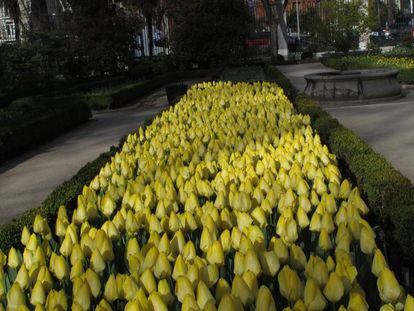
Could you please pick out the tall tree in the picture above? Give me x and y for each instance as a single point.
(13, 8)
(39, 16)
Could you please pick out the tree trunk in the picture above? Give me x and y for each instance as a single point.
(272, 20)
(390, 11)
(39, 16)
(150, 36)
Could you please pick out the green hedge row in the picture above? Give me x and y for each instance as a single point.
(123, 94)
(389, 194)
(31, 120)
(405, 76)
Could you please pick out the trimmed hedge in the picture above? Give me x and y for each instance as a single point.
(121, 95)
(31, 120)
(389, 194)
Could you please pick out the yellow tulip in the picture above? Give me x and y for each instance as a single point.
(334, 288)
(222, 289)
(108, 205)
(162, 267)
(183, 288)
(409, 303)
(324, 241)
(251, 262)
(165, 292)
(156, 302)
(93, 281)
(189, 252)
(15, 298)
(264, 300)
(280, 249)
(38, 295)
(378, 263)
(241, 290)
(13, 259)
(367, 241)
(82, 296)
(22, 277)
(317, 269)
(103, 306)
(130, 287)
(290, 285)
(313, 298)
(203, 295)
(227, 303)
(148, 281)
(180, 268)
(388, 287)
(209, 274)
(25, 236)
(270, 263)
(297, 257)
(357, 302)
(97, 262)
(111, 290)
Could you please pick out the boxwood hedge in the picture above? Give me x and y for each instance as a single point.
(31, 120)
(389, 194)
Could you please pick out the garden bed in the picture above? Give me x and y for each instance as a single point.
(235, 203)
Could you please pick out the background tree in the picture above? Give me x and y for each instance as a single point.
(205, 31)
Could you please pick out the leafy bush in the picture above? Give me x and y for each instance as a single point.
(389, 193)
(31, 120)
(208, 31)
(121, 95)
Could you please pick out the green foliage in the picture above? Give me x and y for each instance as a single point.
(245, 74)
(335, 25)
(31, 120)
(102, 38)
(405, 64)
(208, 31)
(389, 194)
(121, 95)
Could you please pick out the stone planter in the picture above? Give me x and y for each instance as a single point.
(175, 92)
(354, 85)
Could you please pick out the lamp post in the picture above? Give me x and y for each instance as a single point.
(297, 18)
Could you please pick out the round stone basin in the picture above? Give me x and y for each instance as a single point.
(368, 85)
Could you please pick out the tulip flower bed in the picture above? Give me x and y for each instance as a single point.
(227, 201)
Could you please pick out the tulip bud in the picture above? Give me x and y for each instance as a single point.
(324, 241)
(108, 205)
(25, 236)
(38, 295)
(111, 290)
(180, 268)
(367, 241)
(165, 292)
(409, 303)
(148, 281)
(103, 306)
(241, 290)
(388, 287)
(203, 295)
(280, 249)
(297, 257)
(156, 302)
(183, 288)
(251, 262)
(15, 298)
(94, 282)
(162, 267)
(130, 287)
(334, 288)
(357, 302)
(313, 298)
(209, 274)
(264, 300)
(97, 262)
(270, 263)
(290, 285)
(222, 289)
(82, 296)
(215, 254)
(13, 259)
(227, 303)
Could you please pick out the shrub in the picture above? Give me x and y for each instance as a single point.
(389, 193)
(31, 120)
